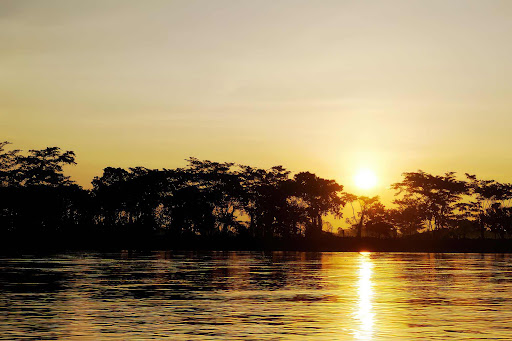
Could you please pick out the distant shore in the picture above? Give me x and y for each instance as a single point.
(211, 205)
(321, 244)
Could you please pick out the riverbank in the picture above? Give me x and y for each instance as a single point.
(47, 243)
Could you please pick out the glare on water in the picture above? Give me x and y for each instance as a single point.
(365, 313)
(256, 295)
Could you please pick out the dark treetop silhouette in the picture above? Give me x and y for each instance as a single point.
(224, 205)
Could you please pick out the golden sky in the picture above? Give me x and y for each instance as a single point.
(324, 86)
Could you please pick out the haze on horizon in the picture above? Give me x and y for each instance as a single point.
(325, 86)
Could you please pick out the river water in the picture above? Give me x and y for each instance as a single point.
(256, 296)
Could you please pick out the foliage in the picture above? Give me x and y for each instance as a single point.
(369, 209)
(435, 195)
(35, 195)
(490, 200)
(221, 200)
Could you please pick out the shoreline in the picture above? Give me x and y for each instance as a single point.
(47, 244)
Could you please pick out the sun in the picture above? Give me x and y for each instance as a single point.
(365, 179)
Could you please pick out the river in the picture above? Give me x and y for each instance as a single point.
(256, 296)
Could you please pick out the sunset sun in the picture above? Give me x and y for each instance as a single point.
(365, 179)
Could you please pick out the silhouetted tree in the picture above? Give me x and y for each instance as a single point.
(321, 197)
(499, 219)
(489, 198)
(36, 197)
(8, 165)
(221, 188)
(219, 201)
(379, 221)
(131, 198)
(408, 215)
(44, 167)
(367, 207)
(265, 200)
(437, 195)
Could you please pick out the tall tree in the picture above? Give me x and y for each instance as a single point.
(36, 195)
(408, 216)
(265, 199)
(368, 206)
(438, 195)
(321, 197)
(44, 167)
(8, 165)
(379, 221)
(220, 185)
(130, 197)
(489, 198)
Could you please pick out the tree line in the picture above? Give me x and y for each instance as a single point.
(224, 200)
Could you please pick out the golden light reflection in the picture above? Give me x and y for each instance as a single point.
(365, 313)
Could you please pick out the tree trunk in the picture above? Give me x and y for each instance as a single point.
(360, 226)
(318, 224)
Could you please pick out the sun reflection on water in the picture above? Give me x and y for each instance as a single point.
(365, 313)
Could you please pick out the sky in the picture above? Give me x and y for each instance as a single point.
(324, 86)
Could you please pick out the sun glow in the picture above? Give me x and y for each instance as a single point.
(365, 179)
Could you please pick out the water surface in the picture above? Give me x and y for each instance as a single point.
(257, 296)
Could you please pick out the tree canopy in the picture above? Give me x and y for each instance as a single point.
(210, 199)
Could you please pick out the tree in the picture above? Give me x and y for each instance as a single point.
(221, 186)
(381, 229)
(321, 197)
(266, 200)
(489, 198)
(368, 207)
(436, 194)
(8, 165)
(130, 197)
(408, 216)
(36, 196)
(379, 221)
(499, 219)
(44, 167)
